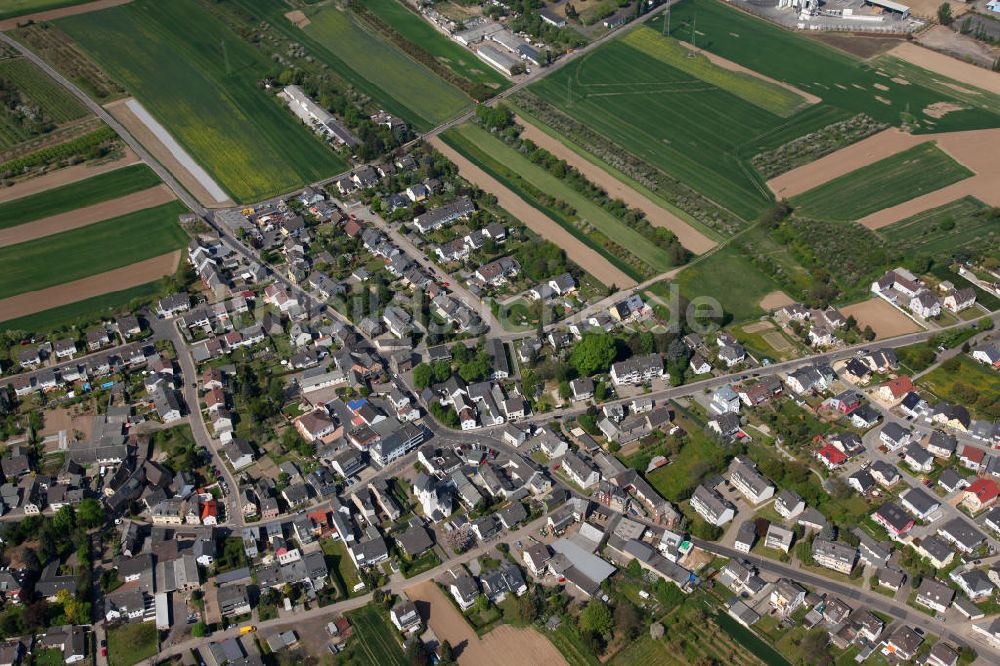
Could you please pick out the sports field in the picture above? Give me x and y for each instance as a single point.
(358, 53)
(687, 125)
(887, 182)
(498, 158)
(103, 187)
(99, 247)
(963, 223)
(199, 79)
(459, 59)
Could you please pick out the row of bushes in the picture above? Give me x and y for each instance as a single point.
(672, 190)
(88, 146)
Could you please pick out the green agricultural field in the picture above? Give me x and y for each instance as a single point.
(686, 127)
(55, 101)
(87, 310)
(727, 276)
(890, 181)
(12, 8)
(763, 94)
(103, 187)
(962, 224)
(486, 150)
(459, 59)
(428, 99)
(375, 640)
(199, 79)
(99, 247)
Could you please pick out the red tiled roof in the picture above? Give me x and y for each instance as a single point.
(984, 490)
(899, 386)
(833, 454)
(973, 454)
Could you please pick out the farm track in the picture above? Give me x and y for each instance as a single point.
(81, 217)
(53, 14)
(948, 66)
(148, 138)
(64, 176)
(118, 279)
(978, 150)
(576, 250)
(690, 238)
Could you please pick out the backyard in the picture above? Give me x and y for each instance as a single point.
(129, 644)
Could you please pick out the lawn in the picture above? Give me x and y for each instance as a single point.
(887, 182)
(428, 560)
(374, 642)
(244, 137)
(87, 310)
(11, 8)
(339, 562)
(99, 247)
(498, 158)
(458, 59)
(131, 643)
(978, 387)
(686, 126)
(699, 456)
(347, 45)
(961, 224)
(731, 279)
(105, 186)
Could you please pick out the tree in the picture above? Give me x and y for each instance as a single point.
(944, 14)
(65, 519)
(422, 376)
(476, 368)
(594, 353)
(447, 655)
(627, 619)
(597, 618)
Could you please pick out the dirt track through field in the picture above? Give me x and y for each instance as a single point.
(65, 176)
(689, 237)
(53, 14)
(151, 142)
(948, 66)
(500, 647)
(81, 217)
(118, 279)
(885, 320)
(876, 147)
(979, 150)
(719, 61)
(588, 259)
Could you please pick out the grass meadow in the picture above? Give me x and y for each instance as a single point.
(943, 230)
(690, 123)
(887, 182)
(103, 187)
(979, 386)
(727, 276)
(486, 150)
(199, 79)
(428, 99)
(374, 642)
(102, 246)
(458, 59)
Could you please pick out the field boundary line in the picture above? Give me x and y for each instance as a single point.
(118, 279)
